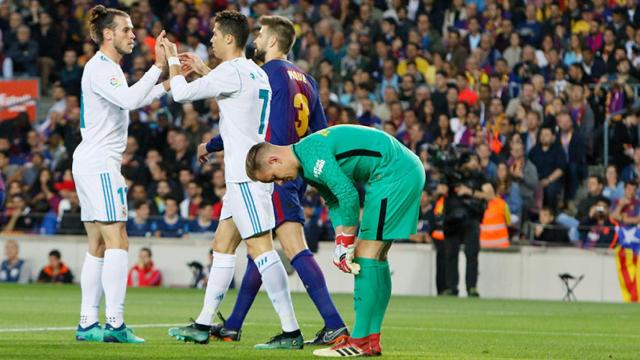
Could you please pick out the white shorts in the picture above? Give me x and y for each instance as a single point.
(249, 205)
(103, 196)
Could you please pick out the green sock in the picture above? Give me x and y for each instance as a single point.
(365, 296)
(384, 294)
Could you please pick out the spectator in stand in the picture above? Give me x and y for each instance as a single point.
(597, 230)
(71, 73)
(143, 273)
(631, 171)
(204, 223)
(47, 35)
(528, 100)
(530, 137)
(550, 161)
(139, 224)
(42, 193)
(626, 210)
(595, 185)
(573, 145)
(13, 269)
(171, 224)
(191, 203)
(548, 230)
(488, 167)
(70, 222)
(509, 191)
(20, 218)
(613, 189)
(55, 271)
(626, 135)
(426, 221)
(22, 55)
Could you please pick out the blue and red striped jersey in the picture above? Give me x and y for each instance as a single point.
(295, 104)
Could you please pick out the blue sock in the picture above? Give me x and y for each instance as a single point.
(251, 283)
(314, 282)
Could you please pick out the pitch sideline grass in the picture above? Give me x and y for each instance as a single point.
(415, 327)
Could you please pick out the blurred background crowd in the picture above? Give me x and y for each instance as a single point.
(527, 86)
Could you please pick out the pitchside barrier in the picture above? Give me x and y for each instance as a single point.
(520, 272)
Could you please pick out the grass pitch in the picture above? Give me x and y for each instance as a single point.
(36, 322)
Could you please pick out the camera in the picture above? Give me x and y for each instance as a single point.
(449, 162)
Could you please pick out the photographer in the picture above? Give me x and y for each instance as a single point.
(598, 230)
(469, 191)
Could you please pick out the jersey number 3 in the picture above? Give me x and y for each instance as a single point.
(301, 104)
(263, 94)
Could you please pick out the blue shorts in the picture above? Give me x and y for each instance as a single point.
(286, 201)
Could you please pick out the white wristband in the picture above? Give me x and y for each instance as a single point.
(174, 61)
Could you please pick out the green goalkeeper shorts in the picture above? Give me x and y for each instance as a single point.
(392, 204)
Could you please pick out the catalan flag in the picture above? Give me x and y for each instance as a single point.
(627, 248)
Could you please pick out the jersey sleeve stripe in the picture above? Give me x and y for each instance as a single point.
(246, 204)
(253, 206)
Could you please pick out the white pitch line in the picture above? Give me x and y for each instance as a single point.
(432, 329)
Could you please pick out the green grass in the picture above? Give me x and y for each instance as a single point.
(414, 328)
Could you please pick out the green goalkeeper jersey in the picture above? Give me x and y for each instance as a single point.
(333, 160)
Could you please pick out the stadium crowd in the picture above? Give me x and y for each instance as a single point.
(526, 86)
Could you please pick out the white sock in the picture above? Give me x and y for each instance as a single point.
(91, 286)
(114, 282)
(276, 282)
(220, 278)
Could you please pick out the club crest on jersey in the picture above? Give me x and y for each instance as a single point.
(317, 169)
(115, 82)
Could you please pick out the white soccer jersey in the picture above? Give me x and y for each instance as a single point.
(242, 91)
(104, 113)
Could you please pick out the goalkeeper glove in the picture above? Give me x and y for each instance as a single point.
(343, 257)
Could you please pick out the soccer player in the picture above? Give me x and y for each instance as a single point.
(295, 111)
(105, 104)
(333, 160)
(242, 91)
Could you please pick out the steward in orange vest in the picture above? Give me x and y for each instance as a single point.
(493, 229)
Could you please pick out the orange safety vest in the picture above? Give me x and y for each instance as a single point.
(438, 211)
(493, 230)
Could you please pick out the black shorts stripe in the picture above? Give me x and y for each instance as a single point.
(381, 218)
(358, 152)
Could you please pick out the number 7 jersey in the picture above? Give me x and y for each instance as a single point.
(295, 106)
(242, 91)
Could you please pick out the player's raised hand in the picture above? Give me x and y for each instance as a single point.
(161, 58)
(170, 48)
(194, 62)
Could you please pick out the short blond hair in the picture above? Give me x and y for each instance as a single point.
(254, 162)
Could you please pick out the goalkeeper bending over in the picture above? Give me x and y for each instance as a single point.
(333, 160)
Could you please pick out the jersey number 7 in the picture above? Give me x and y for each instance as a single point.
(263, 95)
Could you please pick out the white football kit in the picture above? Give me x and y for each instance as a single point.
(242, 91)
(105, 103)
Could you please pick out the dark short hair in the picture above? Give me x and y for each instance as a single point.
(235, 24)
(55, 253)
(283, 29)
(147, 250)
(140, 203)
(598, 178)
(204, 203)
